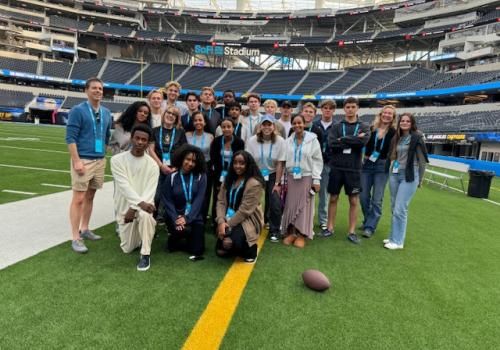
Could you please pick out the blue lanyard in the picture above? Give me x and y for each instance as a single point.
(223, 112)
(355, 130)
(92, 116)
(171, 140)
(209, 112)
(236, 129)
(232, 199)
(295, 150)
(251, 126)
(202, 143)
(222, 151)
(376, 139)
(262, 159)
(188, 192)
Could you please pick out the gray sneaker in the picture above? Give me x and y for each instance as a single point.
(91, 236)
(78, 246)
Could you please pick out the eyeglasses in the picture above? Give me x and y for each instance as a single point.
(172, 113)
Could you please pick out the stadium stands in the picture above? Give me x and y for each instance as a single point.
(14, 98)
(418, 74)
(343, 84)
(468, 78)
(316, 80)
(33, 18)
(157, 74)
(120, 72)
(239, 80)
(85, 69)
(197, 77)
(279, 82)
(56, 69)
(114, 30)
(376, 79)
(193, 37)
(69, 23)
(152, 35)
(26, 66)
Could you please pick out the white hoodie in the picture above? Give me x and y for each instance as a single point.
(311, 163)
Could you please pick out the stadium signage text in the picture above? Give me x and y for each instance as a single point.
(225, 51)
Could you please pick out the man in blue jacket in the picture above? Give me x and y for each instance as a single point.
(87, 135)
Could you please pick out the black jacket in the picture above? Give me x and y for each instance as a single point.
(215, 153)
(337, 142)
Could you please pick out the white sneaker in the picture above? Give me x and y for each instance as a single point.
(387, 240)
(393, 246)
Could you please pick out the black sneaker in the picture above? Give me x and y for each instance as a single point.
(274, 238)
(144, 263)
(353, 238)
(196, 257)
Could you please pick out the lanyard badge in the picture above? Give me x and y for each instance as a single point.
(98, 144)
(349, 150)
(166, 155)
(296, 170)
(188, 192)
(232, 200)
(265, 163)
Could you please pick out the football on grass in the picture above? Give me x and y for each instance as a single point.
(316, 280)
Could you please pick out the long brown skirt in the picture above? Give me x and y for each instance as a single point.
(299, 206)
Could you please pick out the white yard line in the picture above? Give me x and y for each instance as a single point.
(10, 134)
(41, 169)
(490, 201)
(20, 192)
(56, 185)
(34, 149)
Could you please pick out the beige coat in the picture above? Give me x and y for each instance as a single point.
(249, 213)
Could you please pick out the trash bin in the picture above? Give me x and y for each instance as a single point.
(479, 183)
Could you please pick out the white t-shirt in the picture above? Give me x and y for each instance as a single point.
(287, 125)
(326, 124)
(257, 149)
(155, 120)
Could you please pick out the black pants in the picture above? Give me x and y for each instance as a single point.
(191, 241)
(240, 245)
(273, 210)
(208, 192)
(157, 199)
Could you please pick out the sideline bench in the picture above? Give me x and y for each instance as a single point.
(446, 164)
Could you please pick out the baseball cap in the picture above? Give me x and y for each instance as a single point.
(267, 118)
(286, 103)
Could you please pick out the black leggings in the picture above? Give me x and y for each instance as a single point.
(240, 245)
(192, 241)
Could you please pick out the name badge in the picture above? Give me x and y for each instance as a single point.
(347, 150)
(297, 172)
(223, 175)
(265, 174)
(166, 159)
(230, 213)
(98, 146)
(395, 167)
(374, 156)
(188, 209)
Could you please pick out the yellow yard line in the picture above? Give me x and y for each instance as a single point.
(212, 325)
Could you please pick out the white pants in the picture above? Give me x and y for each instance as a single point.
(141, 230)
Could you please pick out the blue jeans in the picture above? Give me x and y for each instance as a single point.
(324, 197)
(373, 181)
(401, 195)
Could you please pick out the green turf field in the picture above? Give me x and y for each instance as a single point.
(440, 292)
(35, 147)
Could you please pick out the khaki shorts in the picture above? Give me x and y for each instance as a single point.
(93, 177)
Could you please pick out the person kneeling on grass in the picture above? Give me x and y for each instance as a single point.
(136, 177)
(239, 215)
(182, 195)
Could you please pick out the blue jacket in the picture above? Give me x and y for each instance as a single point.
(174, 200)
(80, 130)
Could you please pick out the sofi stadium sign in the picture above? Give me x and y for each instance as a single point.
(225, 51)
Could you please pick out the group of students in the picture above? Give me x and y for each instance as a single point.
(184, 158)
